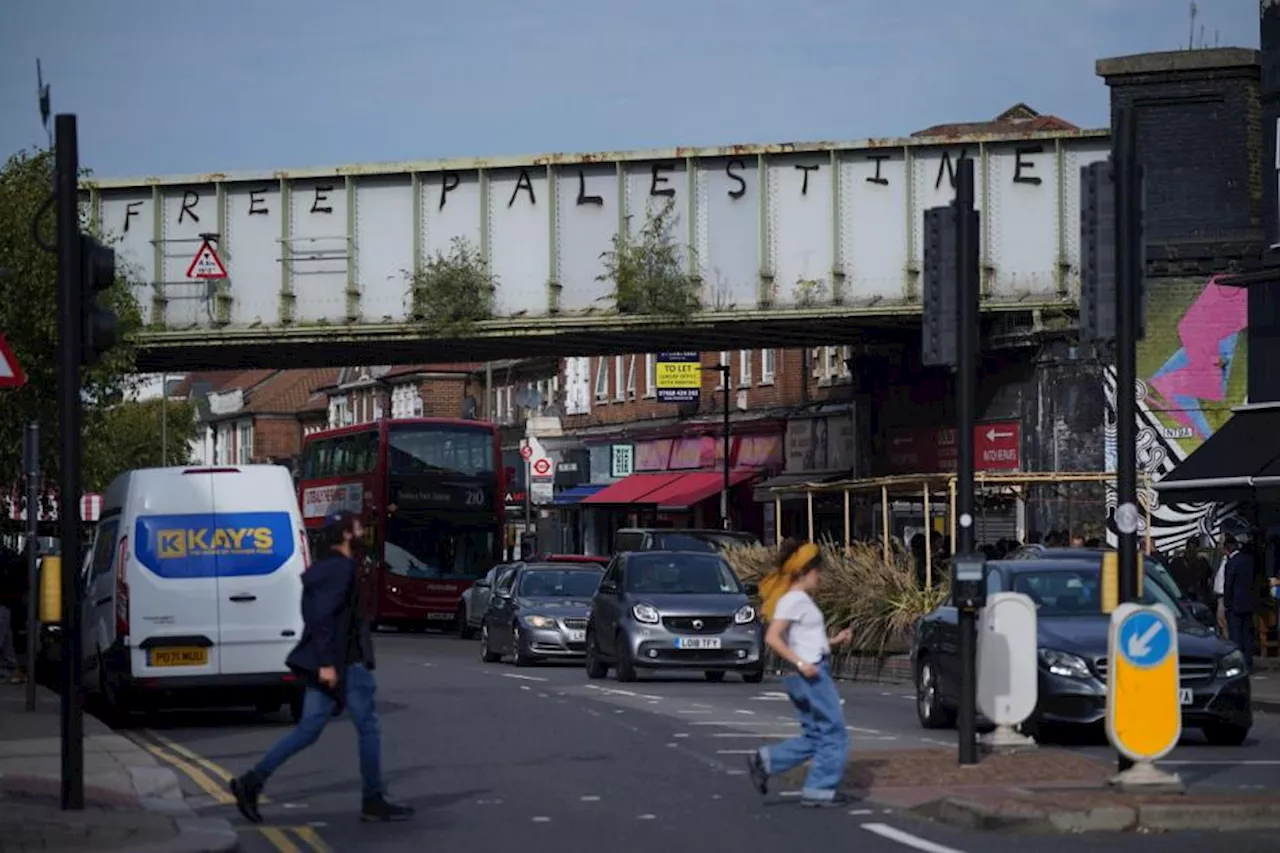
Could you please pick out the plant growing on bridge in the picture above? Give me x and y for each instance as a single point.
(649, 274)
(452, 291)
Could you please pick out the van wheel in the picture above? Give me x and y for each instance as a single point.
(114, 713)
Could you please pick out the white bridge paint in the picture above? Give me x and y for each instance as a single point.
(332, 246)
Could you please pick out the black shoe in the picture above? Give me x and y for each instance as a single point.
(838, 801)
(759, 776)
(382, 810)
(246, 790)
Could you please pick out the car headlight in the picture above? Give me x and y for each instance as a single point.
(1064, 664)
(646, 613)
(540, 621)
(1232, 664)
(745, 614)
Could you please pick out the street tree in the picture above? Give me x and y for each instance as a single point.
(29, 322)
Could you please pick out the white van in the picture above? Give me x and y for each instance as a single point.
(192, 589)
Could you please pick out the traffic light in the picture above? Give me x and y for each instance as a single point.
(941, 320)
(1098, 238)
(99, 328)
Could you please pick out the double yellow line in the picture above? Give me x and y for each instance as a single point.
(213, 779)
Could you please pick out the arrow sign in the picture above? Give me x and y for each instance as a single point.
(1144, 703)
(1145, 639)
(206, 263)
(993, 434)
(11, 375)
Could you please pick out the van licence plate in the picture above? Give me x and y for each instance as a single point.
(1185, 696)
(697, 642)
(177, 657)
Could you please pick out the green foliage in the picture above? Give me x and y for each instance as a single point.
(810, 292)
(133, 435)
(29, 320)
(453, 290)
(649, 276)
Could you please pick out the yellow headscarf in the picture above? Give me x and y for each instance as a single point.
(775, 584)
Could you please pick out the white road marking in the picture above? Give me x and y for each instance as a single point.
(590, 798)
(592, 711)
(542, 820)
(523, 677)
(428, 664)
(741, 723)
(673, 744)
(1243, 763)
(295, 805)
(647, 817)
(525, 687)
(885, 831)
(736, 772)
(686, 711)
(736, 752)
(862, 731)
(935, 741)
(700, 705)
(743, 711)
(861, 811)
(756, 735)
(681, 734)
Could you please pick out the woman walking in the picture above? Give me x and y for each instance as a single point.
(797, 633)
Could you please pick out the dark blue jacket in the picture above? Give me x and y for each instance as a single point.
(333, 632)
(1239, 586)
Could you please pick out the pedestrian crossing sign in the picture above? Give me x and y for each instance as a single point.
(206, 263)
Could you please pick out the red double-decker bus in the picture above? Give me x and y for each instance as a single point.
(430, 494)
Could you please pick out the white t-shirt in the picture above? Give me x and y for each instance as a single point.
(1220, 578)
(807, 630)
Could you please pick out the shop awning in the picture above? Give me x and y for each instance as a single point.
(1235, 462)
(763, 493)
(695, 487)
(576, 494)
(632, 489)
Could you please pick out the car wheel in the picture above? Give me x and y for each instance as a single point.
(1223, 734)
(487, 654)
(929, 706)
(521, 656)
(464, 630)
(626, 668)
(753, 676)
(714, 675)
(596, 668)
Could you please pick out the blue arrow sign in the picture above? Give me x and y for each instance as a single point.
(1144, 639)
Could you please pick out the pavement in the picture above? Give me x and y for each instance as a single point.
(492, 755)
(133, 802)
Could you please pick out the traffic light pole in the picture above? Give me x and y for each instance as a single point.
(31, 472)
(967, 286)
(1130, 260)
(67, 171)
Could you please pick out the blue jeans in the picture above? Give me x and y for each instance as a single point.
(317, 710)
(823, 739)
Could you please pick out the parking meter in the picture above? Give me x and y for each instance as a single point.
(969, 586)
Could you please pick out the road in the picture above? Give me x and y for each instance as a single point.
(543, 758)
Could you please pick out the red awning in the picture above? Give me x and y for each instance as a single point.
(632, 489)
(695, 487)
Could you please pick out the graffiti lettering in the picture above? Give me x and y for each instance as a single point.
(190, 198)
(448, 183)
(658, 180)
(736, 178)
(804, 186)
(1020, 164)
(322, 195)
(130, 211)
(257, 204)
(947, 168)
(524, 182)
(583, 198)
(877, 178)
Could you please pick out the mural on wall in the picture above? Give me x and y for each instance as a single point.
(1188, 383)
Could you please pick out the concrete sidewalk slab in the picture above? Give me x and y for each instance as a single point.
(132, 803)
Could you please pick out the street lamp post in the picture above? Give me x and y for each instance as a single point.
(724, 494)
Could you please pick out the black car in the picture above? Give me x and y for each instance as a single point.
(1072, 645)
(538, 611)
(677, 539)
(674, 610)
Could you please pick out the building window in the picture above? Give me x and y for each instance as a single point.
(222, 439)
(339, 411)
(650, 376)
(577, 380)
(744, 368)
(831, 364)
(631, 377)
(768, 366)
(725, 355)
(619, 379)
(602, 379)
(244, 442)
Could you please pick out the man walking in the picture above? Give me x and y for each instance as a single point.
(1239, 597)
(335, 656)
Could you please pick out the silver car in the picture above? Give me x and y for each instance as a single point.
(673, 610)
(539, 612)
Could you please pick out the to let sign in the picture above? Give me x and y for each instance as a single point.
(930, 450)
(678, 377)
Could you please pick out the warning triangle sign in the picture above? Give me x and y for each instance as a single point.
(11, 375)
(206, 263)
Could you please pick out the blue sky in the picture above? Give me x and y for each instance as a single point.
(164, 86)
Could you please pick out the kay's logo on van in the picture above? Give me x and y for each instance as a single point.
(224, 544)
(174, 544)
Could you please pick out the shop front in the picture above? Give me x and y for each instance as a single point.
(819, 448)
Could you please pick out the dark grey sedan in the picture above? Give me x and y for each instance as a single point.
(539, 612)
(672, 610)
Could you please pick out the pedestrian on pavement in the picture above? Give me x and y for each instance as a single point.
(335, 658)
(1219, 584)
(1191, 571)
(1239, 596)
(797, 634)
